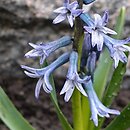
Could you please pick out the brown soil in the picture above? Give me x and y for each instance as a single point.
(41, 113)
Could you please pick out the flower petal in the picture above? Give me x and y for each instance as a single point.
(35, 46)
(80, 88)
(35, 71)
(47, 80)
(42, 59)
(66, 3)
(68, 94)
(76, 12)
(115, 41)
(68, 85)
(109, 31)
(28, 68)
(33, 53)
(94, 112)
(61, 10)
(105, 18)
(45, 88)
(94, 37)
(116, 60)
(38, 87)
(59, 18)
(73, 5)
(100, 42)
(88, 29)
(123, 57)
(101, 108)
(98, 20)
(31, 74)
(70, 19)
(122, 47)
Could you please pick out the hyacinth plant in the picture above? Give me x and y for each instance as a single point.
(97, 63)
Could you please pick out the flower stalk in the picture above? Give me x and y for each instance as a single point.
(76, 98)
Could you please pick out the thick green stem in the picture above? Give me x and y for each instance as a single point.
(76, 98)
(78, 36)
(85, 113)
(77, 113)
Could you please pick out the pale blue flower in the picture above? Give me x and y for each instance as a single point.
(43, 50)
(117, 49)
(99, 36)
(97, 108)
(68, 11)
(97, 29)
(44, 73)
(73, 79)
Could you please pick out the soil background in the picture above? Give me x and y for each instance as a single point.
(23, 21)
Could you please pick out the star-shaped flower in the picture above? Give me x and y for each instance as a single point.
(44, 73)
(43, 50)
(117, 49)
(97, 29)
(97, 108)
(73, 79)
(68, 11)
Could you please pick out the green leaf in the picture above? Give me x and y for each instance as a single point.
(120, 22)
(121, 122)
(10, 116)
(102, 73)
(65, 124)
(114, 85)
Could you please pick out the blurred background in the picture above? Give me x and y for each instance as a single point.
(24, 21)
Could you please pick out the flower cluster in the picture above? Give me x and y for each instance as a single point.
(95, 38)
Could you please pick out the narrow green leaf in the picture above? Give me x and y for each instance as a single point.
(114, 85)
(53, 93)
(65, 124)
(102, 73)
(120, 22)
(121, 122)
(10, 116)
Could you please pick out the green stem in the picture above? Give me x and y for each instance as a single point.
(77, 113)
(85, 112)
(76, 98)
